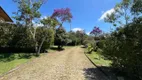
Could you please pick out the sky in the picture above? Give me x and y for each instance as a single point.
(86, 13)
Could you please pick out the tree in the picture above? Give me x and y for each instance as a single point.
(124, 12)
(28, 12)
(6, 33)
(123, 46)
(80, 37)
(15, 39)
(60, 37)
(73, 38)
(77, 38)
(46, 33)
(50, 22)
(45, 38)
(136, 8)
(96, 32)
(21, 39)
(62, 15)
(121, 15)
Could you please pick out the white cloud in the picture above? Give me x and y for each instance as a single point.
(43, 17)
(108, 12)
(88, 33)
(37, 24)
(77, 29)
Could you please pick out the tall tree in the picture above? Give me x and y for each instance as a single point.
(80, 36)
(96, 32)
(136, 8)
(121, 15)
(62, 15)
(27, 13)
(123, 46)
(60, 37)
(47, 31)
(50, 22)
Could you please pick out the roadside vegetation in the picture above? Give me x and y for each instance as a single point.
(119, 51)
(31, 35)
(9, 61)
(122, 46)
(99, 60)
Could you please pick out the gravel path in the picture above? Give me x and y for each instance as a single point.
(70, 64)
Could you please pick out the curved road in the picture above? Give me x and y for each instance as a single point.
(70, 64)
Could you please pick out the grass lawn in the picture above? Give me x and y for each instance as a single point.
(10, 61)
(6, 66)
(98, 60)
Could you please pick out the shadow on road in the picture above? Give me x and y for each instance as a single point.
(94, 74)
(6, 57)
(108, 72)
(57, 49)
(97, 74)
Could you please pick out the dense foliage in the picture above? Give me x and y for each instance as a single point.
(96, 31)
(31, 33)
(123, 46)
(77, 38)
(16, 38)
(27, 14)
(60, 37)
(62, 15)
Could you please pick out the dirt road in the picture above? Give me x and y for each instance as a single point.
(70, 64)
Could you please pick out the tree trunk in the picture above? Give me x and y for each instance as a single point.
(59, 47)
(39, 49)
(34, 39)
(36, 48)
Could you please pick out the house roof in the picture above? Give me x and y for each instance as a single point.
(4, 15)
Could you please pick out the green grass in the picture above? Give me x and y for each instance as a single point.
(10, 61)
(6, 66)
(98, 60)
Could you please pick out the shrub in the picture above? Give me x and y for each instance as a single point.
(123, 47)
(60, 37)
(17, 38)
(100, 44)
(89, 48)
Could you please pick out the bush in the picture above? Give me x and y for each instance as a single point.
(49, 40)
(60, 37)
(100, 44)
(17, 38)
(123, 47)
(6, 33)
(89, 48)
